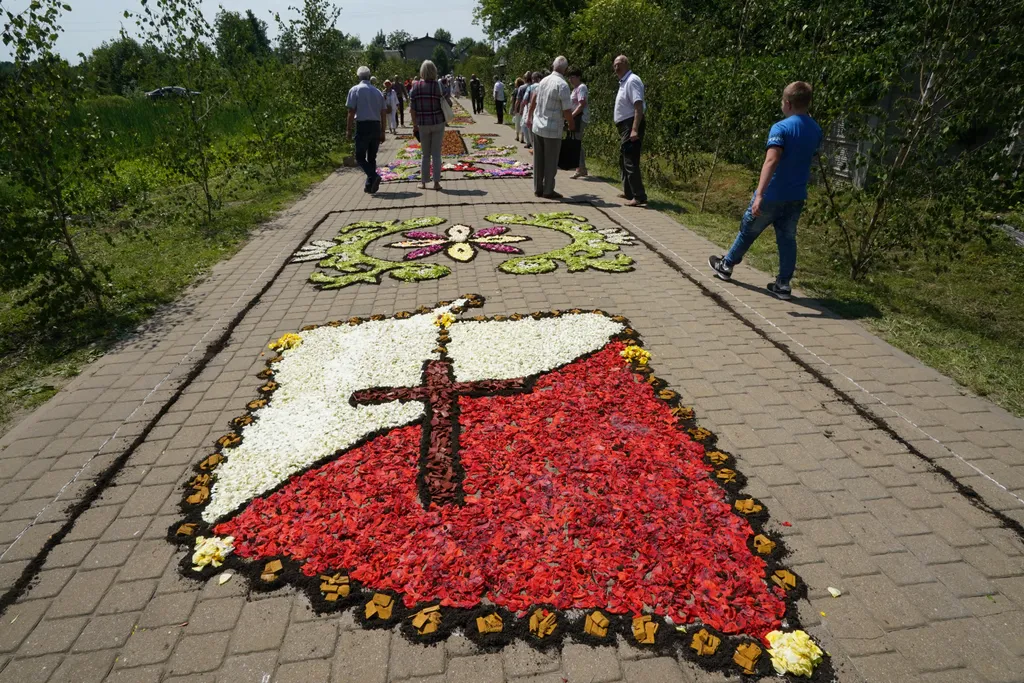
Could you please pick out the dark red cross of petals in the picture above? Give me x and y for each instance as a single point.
(440, 392)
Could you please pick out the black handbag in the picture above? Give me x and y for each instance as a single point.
(569, 154)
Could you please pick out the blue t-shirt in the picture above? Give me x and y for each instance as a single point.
(799, 137)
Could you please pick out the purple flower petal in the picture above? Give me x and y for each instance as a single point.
(425, 251)
(424, 235)
(491, 232)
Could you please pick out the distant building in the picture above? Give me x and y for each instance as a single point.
(423, 48)
(392, 54)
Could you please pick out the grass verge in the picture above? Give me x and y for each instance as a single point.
(965, 318)
(149, 264)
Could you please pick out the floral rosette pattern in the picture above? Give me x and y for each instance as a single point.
(513, 476)
(344, 260)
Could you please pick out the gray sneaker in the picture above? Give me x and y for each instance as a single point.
(723, 270)
(784, 292)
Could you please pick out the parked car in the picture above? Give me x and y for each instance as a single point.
(171, 91)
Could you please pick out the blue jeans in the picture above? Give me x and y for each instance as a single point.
(367, 144)
(784, 216)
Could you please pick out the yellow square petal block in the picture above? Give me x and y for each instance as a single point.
(644, 629)
(699, 433)
(725, 475)
(273, 567)
(705, 643)
(199, 497)
(596, 624)
(334, 587)
(747, 506)
(543, 623)
(187, 529)
(380, 606)
(427, 620)
(718, 458)
(492, 623)
(785, 579)
(763, 545)
(667, 395)
(683, 412)
(746, 657)
(211, 462)
(200, 480)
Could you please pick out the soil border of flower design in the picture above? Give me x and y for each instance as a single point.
(491, 628)
(348, 253)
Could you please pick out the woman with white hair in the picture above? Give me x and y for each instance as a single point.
(391, 102)
(428, 121)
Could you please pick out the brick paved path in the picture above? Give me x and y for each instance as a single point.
(900, 488)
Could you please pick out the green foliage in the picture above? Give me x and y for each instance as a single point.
(397, 38)
(240, 37)
(374, 57)
(380, 40)
(928, 95)
(440, 59)
(121, 66)
(442, 34)
(47, 161)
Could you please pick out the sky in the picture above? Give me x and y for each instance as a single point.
(91, 22)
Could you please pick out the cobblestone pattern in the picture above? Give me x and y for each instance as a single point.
(933, 587)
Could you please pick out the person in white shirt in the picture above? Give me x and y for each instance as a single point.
(499, 100)
(630, 119)
(580, 113)
(551, 105)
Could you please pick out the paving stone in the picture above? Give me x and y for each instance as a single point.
(52, 635)
(196, 654)
(82, 593)
(519, 659)
(18, 622)
(32, 670)
(311, 671)
(261, 625)
(148, 646)
(141, 674)
(250, 668)
(91, 667)
(105, 632)
(584, 664)
(663, 669)
(215, 615)
(887, 668)
(963, 579)
(412, 659)
(313, 640)
(127, 597)
(475, 669)
(361, 657)
(172, 608)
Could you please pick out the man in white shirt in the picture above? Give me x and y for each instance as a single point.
(551, 105)
(630, 119)
(499, 100)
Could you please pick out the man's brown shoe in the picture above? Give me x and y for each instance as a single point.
(553, 195)
(634, 202)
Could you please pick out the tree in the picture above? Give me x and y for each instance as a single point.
(397, 38)
(502, 19)
(380, 40)
(238, 36)
(118, 66)
(463, 46)
(179, 29)
(49, 155)
(440, 59)
(441, 34)
(374, 56)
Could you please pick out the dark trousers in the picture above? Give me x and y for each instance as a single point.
(367, 144)
(401, 111)
(478, 103)
(545, 164)
(629, 160)
(499, 108)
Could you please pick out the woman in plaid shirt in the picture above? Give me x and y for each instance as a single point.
(428, 121)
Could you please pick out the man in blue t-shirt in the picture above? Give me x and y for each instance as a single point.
(781, 190)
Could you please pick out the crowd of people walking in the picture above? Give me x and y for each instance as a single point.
(550, 107)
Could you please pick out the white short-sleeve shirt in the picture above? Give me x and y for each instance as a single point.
(631, 91)
(553, 98)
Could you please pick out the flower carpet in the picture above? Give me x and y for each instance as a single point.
(485, 160)
(344, 261)
(514, 476)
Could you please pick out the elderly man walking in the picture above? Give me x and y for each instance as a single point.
(366, 108)
(551, 105)
(630, 119)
